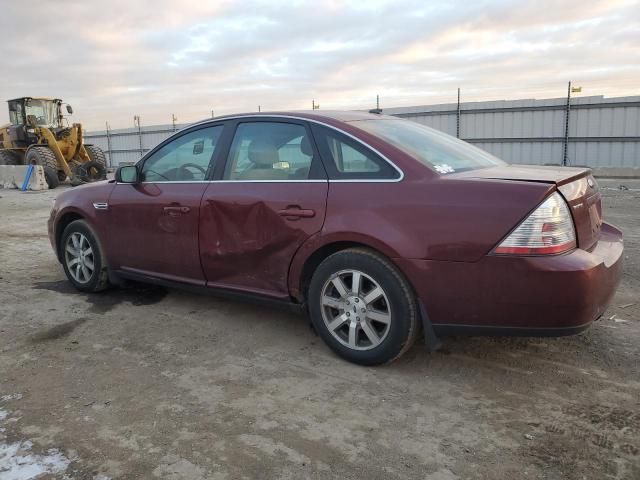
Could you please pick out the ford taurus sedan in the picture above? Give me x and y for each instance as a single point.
(378, 227)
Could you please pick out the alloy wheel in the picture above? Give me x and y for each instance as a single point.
(355, 309)
(79, 257)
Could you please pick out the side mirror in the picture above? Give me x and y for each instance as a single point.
(69, 109)
(128, 174)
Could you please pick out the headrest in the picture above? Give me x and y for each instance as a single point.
(263, 154)
(305, 146)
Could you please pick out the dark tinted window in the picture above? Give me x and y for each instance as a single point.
(187, 158)
(346, 158)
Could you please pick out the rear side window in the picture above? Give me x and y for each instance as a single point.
(348, 159)
(439, 151)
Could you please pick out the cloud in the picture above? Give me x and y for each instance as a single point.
(114, 59)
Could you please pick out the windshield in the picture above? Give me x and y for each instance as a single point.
(45, 113)
(439, 151)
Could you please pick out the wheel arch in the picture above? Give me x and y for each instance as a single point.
(61, 223)
(315, 250)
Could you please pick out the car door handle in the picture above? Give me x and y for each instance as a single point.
(176, 210)
(297, 212)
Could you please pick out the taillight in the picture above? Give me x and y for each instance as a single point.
(549, 229)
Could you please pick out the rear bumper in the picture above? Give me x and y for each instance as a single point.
(545, 295)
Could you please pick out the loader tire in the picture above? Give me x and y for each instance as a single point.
(44, 156)
(88, 172)
(97, 155)
(7, 157)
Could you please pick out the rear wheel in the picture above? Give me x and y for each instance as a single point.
(82, 258)
(7, 157)
(44, 156)
(363, 307)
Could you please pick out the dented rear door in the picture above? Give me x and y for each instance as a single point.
(250, 228)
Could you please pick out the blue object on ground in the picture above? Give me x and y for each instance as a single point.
(27, 178)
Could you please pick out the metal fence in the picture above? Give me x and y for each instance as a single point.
(598, 132)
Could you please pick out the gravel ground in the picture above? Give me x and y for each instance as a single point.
(151, 383)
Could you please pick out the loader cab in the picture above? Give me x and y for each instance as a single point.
(35, 112)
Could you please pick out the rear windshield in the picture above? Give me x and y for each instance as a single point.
(439, 151)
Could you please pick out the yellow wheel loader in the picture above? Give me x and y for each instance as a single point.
(37, 135)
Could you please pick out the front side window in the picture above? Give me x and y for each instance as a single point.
(187, 158)
(269, 151)
(347, 159)
(439, 151)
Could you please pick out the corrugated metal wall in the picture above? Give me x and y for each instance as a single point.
(604, 133)
(127, 145)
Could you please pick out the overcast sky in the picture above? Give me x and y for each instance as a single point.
(112, 59)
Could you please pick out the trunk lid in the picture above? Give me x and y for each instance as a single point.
(577, 186)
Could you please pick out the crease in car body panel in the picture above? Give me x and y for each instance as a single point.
(258, 244)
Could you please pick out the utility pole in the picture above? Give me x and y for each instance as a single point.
(567, 115)
(458, 116)
(258, 108)
(211, 113)
(173, 121)
(377, 109)
(314, 105)
(109, 143)
(136, 123)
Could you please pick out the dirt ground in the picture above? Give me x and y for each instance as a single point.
(149, 383)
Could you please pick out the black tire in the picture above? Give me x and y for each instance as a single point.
(97, 156)
(99, 278)
(62, 176)
(88, 172)
(404, 324)
(44, 156)
(7, 157)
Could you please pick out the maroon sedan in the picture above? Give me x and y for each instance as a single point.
(378, 227)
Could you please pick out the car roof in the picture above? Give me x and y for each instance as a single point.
(339, 115)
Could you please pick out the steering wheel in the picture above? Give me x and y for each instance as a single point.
(186, 167)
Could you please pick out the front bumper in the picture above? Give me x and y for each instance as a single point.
(51, 230)
(550, 295)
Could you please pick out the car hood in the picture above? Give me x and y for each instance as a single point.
(527, 173)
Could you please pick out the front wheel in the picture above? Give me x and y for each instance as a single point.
(363, 307)
(82, 258)
(41, 155)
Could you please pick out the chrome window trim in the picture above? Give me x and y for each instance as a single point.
(333, 127)
(229, 181)
(355, 180)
